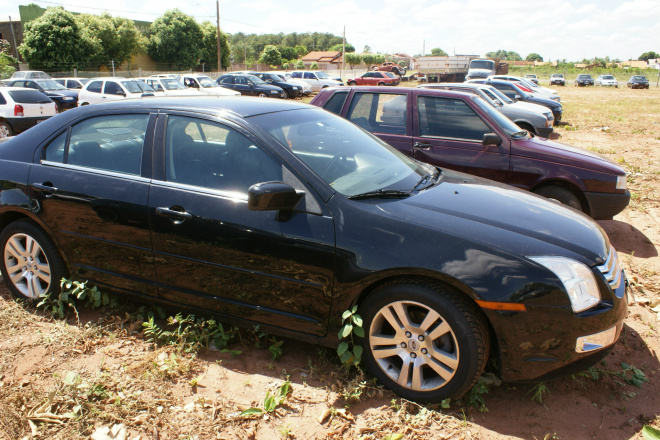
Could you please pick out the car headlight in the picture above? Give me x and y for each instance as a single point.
(67, 98)
(578, 280)
(621, 182)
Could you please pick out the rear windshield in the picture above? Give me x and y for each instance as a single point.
(28, 97)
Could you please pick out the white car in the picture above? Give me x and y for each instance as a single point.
(206, 85)
(22, 108)
(72, 83)
(306, 88)
(164, 86)
(317, 80)
(607, 80)
(544, 91)
(112, 89)
(30, 74)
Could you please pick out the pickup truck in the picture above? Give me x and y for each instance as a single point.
(462, 132)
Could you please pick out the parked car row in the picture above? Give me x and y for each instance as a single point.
(278, 214)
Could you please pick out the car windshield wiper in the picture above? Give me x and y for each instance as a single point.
(425, 178)
(382, 194)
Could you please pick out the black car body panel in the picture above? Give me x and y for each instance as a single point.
(136, 230)
(248, 85)
(292, 90)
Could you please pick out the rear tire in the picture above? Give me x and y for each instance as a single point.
(562, 195)
(5, 130)
(31, 265)
(352, 83)
(423, 341)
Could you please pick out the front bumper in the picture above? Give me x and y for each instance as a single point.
(544, 132)
(557, 116)
(542, 343)
(604, 206)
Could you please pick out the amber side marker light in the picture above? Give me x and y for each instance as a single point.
(509, 307)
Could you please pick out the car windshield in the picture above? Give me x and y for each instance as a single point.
(50, 84)
(608, 77)
(584, 76)
(172, 84)
(521, 92)
(481, 64)
(556, 75)
(349, 159)
(501, 96)
(270, 76)
(134, 86)
(83, 81)
(255, 79)
(390, 74)
(511, 129)
(639, 78)
(322, 75)
(206, 82)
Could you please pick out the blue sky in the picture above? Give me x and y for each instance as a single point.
(556, 29)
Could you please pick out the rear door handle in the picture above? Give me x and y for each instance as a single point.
(422, 145)
(167, 212)
(47, 189)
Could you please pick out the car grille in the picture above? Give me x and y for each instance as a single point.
(611, 270)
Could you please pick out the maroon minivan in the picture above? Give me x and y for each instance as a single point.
(462, 132)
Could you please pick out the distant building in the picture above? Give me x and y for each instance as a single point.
(325, 60)
(638, 64)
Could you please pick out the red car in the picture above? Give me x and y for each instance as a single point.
(375, 78)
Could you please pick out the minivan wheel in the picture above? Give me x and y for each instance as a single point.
(423, 341)
(562, 195)
(31, 266)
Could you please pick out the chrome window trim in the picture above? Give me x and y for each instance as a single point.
(108, 173)
(229, 195)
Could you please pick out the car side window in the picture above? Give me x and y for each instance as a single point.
(210, 155)
(111, 88)
(336, 102)
(509, 92)
(111, 143)
(309, 75)
(379, 112)
(227, 80)
(449, 118)
(95, 86)
(3, 100)
(296, 75)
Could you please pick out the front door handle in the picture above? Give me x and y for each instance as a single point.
(422, 145)
(44, 187)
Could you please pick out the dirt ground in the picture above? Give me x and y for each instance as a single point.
(97, 375)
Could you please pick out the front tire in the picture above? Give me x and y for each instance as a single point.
(31, 265)
(262, 95)
(423, 341)
(352, 83)
(562, 195)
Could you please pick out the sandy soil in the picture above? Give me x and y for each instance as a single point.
(76, 379)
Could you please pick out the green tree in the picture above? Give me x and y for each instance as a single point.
(54, 42)
(353, 59)
(534, 57)
(210, 47)
(505, 55)
(6, 60)
(301, 51)
(437, 52)
(339, 47)
(110, 39)
(646, 56)
(300, 65)
(369, 59)
(314, 66)
(366, 49)
(288, 53)
(271, 56)
(176, 40)
(379, 59)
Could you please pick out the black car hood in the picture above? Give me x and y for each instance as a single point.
(502, 216)
(71, 93)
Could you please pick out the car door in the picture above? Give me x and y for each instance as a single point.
(448, 132)
(213, 253)
(112, 91)
(312, 80)
(90, 186)
(386, 115)
(93, 93)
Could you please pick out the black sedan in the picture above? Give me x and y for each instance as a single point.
(583, 80)
(292, 90)
(638, 82)
(280, 214)
(63, 97)
(250, 85)
(515, 93)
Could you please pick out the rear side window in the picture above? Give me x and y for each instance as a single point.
(336, 102)
(309, 75)
(449, 118)
(2, 99)
(379, 112)
(111, 143)
(28, 97)
(95, 86)
(296, 75)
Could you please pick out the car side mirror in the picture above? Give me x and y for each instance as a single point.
(517, 97)
(120, 92)
(273, 196)
(498, 103)
(491, 139)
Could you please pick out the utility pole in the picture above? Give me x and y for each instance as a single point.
(423, 47)
(217, 9)
(343, 53)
